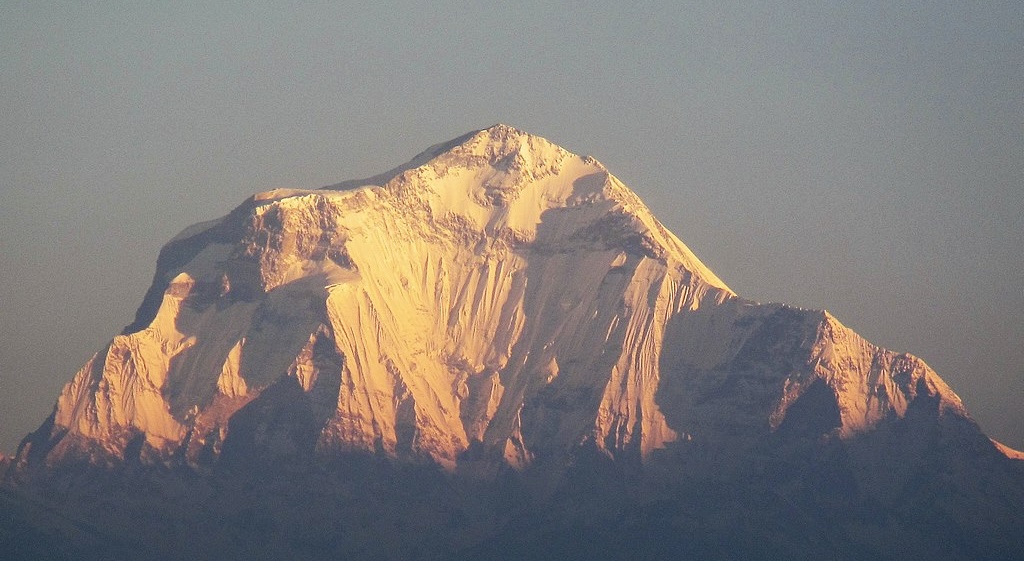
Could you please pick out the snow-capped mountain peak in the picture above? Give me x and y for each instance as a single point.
(500, 305)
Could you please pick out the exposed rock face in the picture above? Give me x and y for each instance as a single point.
(499, 303)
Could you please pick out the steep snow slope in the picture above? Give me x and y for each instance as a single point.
(497, 298)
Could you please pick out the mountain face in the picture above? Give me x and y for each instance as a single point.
(496, 350)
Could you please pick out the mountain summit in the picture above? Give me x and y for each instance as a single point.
(500, 309)
(414, 318)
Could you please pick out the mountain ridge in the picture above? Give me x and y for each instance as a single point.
(498, 191)
(502, 310)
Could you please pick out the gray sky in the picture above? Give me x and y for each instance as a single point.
(855, 156)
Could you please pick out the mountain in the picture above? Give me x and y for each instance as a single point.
(497, 351)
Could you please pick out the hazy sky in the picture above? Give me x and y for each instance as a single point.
(860, 157)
